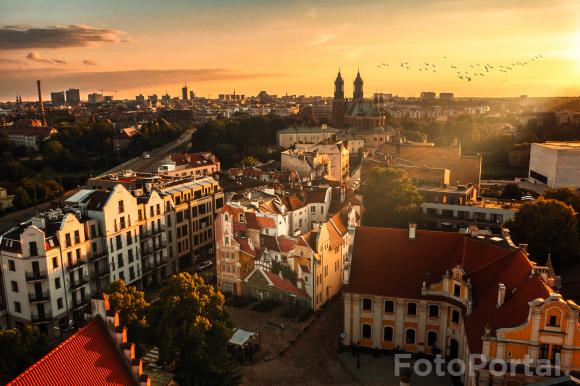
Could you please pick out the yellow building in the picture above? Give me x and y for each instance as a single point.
(427, 291)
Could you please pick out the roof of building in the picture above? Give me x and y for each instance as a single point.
(284, 284)
(315, 129)
(386, 262)
(89, 357)
(259, 222)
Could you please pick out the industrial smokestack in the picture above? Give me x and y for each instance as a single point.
(41, 104)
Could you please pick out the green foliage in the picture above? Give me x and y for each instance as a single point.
(233, 139)
(390, 199)
(192, 330)
(249, 161)
(287, 272)
(132, 308)
(547, 226)
(22, 199)
(511, 191)
(19, 348)
(565, 195)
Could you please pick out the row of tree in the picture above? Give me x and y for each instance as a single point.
(188, 323)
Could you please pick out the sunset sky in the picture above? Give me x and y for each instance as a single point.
(288, 46)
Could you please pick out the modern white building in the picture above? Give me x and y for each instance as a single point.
(556, 164)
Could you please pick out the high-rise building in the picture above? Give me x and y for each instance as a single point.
(153, 98)
(140, 99)
(184, 92)
(95, 98)
(165, 100)
(73, 96)
(57, 98)
(191, 95)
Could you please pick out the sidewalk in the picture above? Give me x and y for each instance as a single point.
(381, 371)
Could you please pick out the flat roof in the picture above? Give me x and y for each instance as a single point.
(560, 145)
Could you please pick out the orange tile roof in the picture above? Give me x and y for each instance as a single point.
(386, 262)
(284, 284)
(89, 357)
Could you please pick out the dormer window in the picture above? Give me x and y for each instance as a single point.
(553, 321)
(227, 218)
(241, 217)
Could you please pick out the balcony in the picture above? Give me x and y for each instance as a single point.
(158, 230)
(40, 318)
(147, 267)
(96, 256)
(79, 304)
(145, 234)
(36, 275)
(160, 262)
(74, 284)
(43, 296)
(77, 264)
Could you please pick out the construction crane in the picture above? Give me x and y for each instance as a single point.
(102, 90)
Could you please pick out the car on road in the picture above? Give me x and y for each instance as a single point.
(204, 265)
(146, 155)
(179, 141)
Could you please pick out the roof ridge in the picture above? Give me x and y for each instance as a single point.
(487, 265)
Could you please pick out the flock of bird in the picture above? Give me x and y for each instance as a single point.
(467, 72)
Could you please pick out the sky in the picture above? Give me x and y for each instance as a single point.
(293, 47)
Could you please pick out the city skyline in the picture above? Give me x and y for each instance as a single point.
(295, 48)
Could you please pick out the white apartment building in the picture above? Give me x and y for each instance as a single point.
(556, 164)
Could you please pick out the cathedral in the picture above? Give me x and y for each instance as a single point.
(357, 113)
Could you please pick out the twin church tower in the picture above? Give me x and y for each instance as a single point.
(357, 113)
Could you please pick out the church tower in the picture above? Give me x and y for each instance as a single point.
(358, 87)
(338, 103)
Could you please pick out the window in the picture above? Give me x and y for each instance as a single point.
(59, 303)
(544, 348)
(411, 308)
(389, 306)
(77, 237)
(67, 240)
(457, 290)
(553, 322)
(57, 283)
(14, 286)
(410, 336)
(93, 231)
(17, 307)
(11, 265)
(121, 206)
(54, 262)
(33, 248)
(120, 261)
(367, 304)
(122, 223)
(367, 331)
(241, 217)
(139, 215)
(119, 242)
(433, 311)
(312, 209)
(122, 275)
(129, 238)
(78, 254)
(131, 273)
(158, 209)
(455, 316)
(555, 353)
(388, 334)
(431, 339)
(130, 255)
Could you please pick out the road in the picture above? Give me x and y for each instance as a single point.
(138, 164)
(149, 165)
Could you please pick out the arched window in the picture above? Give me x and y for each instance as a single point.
(410, 336)
(432, 339)
(367, 331)
(388, 334)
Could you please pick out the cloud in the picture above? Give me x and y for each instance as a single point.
(10, 61)
(18, 81)
(325, 38)
(90, 62)
(313, 13)
(37, 57)
(15, 37)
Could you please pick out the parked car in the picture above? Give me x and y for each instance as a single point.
(204, 265)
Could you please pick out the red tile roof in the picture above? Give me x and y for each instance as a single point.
(284, 284)
(386, 262)
(89, 357)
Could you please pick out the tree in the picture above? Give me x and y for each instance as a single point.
(132, 308)
(565, 195)
(287, 272)
(511, 191)
(547, 226)
(19, 348)
(390, 199)
(250, 161)
(21, 198)
(192, 330)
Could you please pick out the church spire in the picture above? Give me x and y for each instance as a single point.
(339, 86)
(358, 86)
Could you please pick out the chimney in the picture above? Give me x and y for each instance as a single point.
(41, 104)
(281, 275)
(412, 231)
(500, 295)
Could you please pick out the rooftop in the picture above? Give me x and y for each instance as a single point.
(561, 145)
